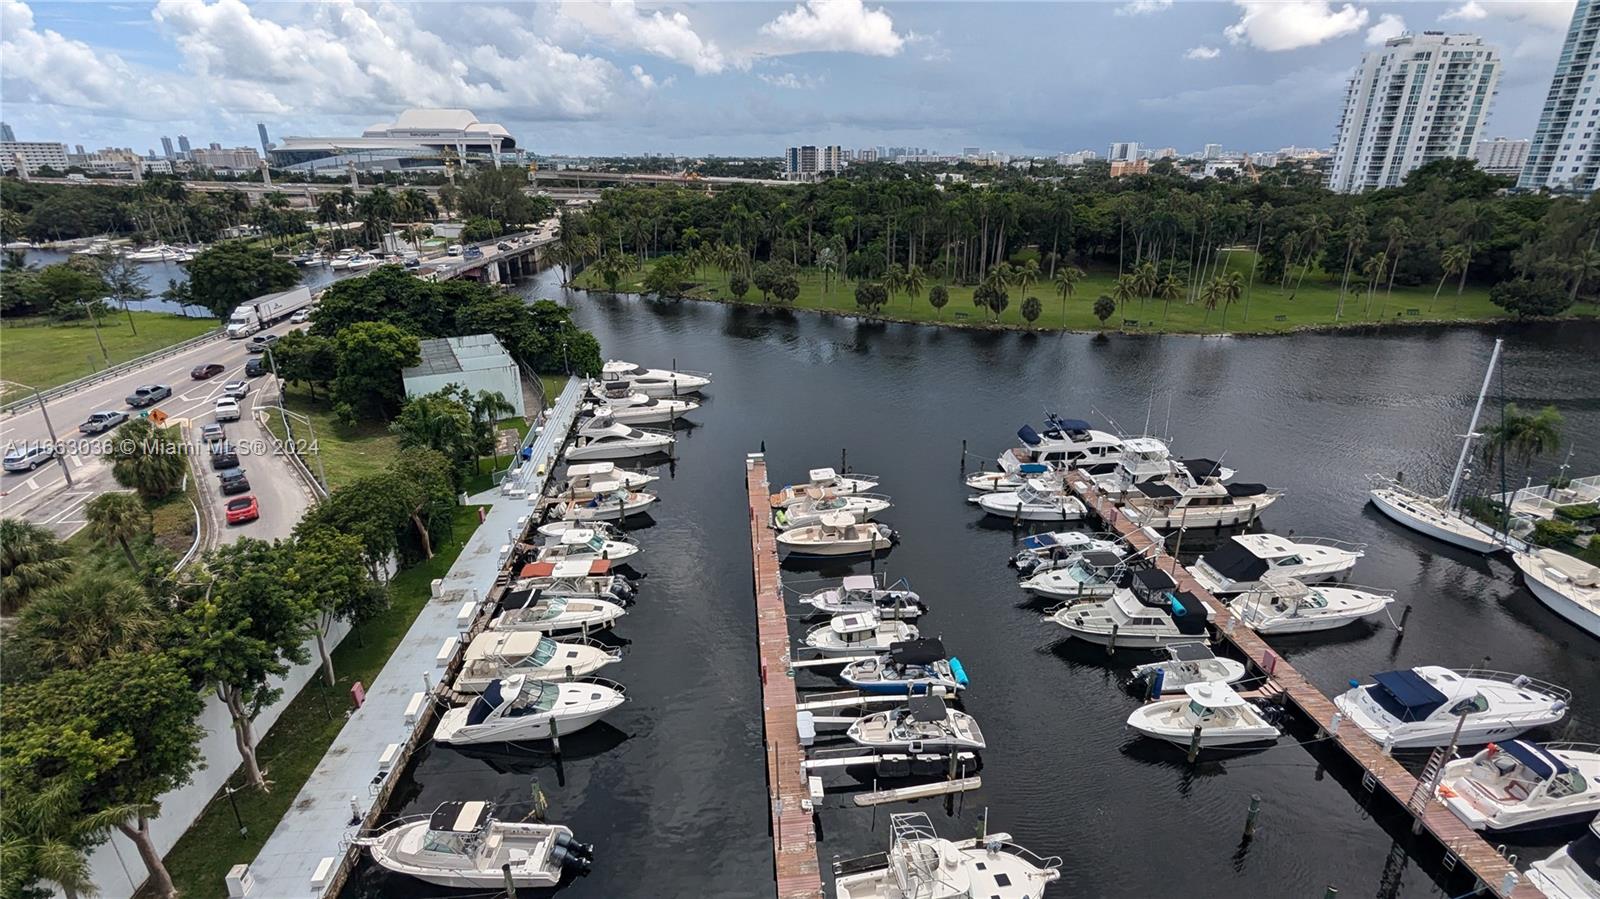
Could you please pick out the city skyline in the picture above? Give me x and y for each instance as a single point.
(746, 79)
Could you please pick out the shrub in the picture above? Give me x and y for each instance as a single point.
(1553, 533)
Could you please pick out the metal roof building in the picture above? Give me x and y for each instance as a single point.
(416, 139)
(476, 362)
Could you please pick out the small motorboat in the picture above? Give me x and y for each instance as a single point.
(1571, 872)
(861, 507)
(362, 261)
(838, 534)
(1038, 500)
(1223, 717)
(1189, 663)
(1043, 551)
(828, 479)
(519, 708)
(1090, 575)
(1568, 586)
(921, 865)
(529, 610)
(494, 655)
(1149, 613)
(924, 723)
(652, 381)
(582, 544)
(1011, 476)
(582, 478)
(606, 438)
(561, 525)
(913, 667)
(155, 253)
(609, 501)
(577, 577)
(1241, 564)
(863, 593)
(1289, 607)
(858, 632)
(461, 845)
(637, 408)
(1515, 785)
(1419, 708)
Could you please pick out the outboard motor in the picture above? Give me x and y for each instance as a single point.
(567, 858)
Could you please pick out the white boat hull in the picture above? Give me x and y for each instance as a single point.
(1437, 525)
(1005, 505)
(1586, 617)
(1057, 583)
(619, 449)
(665, 411)
(1426, 735)
(1211, 671)
(453, 729)
(1205, 516)
(1146, 721)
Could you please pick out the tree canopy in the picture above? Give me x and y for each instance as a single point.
(231, 272)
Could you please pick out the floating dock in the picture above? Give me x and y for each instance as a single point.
(794, 835)
(1497, 875)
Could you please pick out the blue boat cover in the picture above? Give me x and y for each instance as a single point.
(1039, 541)
(485, 703)
(1542, 762)
(1070, 424)
(1034, 468)
(1028, 435)
(1406, 695)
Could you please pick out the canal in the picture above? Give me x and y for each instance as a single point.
(671, 788)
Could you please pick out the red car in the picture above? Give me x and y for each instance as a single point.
(208, 370)
(243, 509)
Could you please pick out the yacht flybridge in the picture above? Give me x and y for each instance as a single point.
(603, 437)
(1223, 717)
(1190, 663)
(858, 632)
(1289, 607)
(493, 655)
(909, 668)
(519, 708)
(1420, 707)
(462, 845)
(1246, 560)
(1210, 503)
(1068, 443)
(1516, 785)
(1568, 586)
(652, 381)
(863, 593)
(923, 724)
(921, 865)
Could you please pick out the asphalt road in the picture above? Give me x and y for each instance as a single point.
(43, 496)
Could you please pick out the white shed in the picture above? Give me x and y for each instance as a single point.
(476, 362)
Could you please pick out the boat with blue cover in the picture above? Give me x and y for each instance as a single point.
(909, 667)
(1146, 612)
(1418, 708)
(1044, 551)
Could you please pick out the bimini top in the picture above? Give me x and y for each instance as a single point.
(1542, 762)
(925, 651)
(822, 475)
(1067, 424)
(1157, 490)
(1202, 468)
(1046, 541)
(1234, 561)
(1153, 580)
(854, 623)
(1406, 695)
(927, 709)
(1214, 695)
(859, 582)
(1190, 652)
(1246, 489)
(1028, 435)
(1101, 559)
(490, 699)
(521, 599)
(459, 817)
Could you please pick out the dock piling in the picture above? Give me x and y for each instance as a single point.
(1194, 744)
(1111, 650)
(511, 883)
(1250, 817)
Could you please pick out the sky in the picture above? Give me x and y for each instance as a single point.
(737, 78)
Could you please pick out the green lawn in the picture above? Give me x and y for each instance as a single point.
(296, 743)
(1268, 310)
(41, 354)
(553, 385)
(171, 526)
(347, 452)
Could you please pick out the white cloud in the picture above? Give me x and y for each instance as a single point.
(1555, 15)
(1471, 11)
(642, 78)
(790, 80)
(843, 26)
(1202, 52)
(667, 35)
(1143, 7)
(1388, 26)
(1276, 25)
(42, 66)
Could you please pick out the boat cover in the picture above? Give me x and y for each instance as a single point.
(1235, 563)
(1542, 762)
(1049, 541)
(520, 599)
(1585, 852)
(1069, 424)
(1158, 490)
(1190, 652)
(1405, 695)
(1101, 559)
(927, 709)
(1202, 468)
(1033, 468)
(487, 701)
(1153, 580)
(1246, 489)
(459, 817)
(1188, 613)
(1028, 435)
(925, 651)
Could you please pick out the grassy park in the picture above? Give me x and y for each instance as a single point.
(39, 353)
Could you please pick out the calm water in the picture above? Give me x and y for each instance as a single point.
(672, 787)
(159, 273)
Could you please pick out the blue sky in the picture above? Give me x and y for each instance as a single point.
(736, 78)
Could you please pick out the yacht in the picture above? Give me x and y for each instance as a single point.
(605, 438)
(1146, 614)
(1418, 708)
(463, 846)
(608, 501)
(1516, 785)
(529, 610)
(155, 253)
(304, 259)
(638, 409)
(1568, 586)
(577, 577)
(921, 865)
(1041, 552)
(1160, 505)
(828, 479)
(858, 632)
(837, 534)
(1189, 663)
(652, 381)
(908, 668)
(561, 525)
(1223, 717)
(342, 258)
(863, 593)
(100, 246)
(861, 507)
(362, 261)
(1246, 560)
(581, 479)
(1036, 501)
(1091, 575)
(924, 723)
(519, 708)
(1571, 872)
(581, 544)
(1068, 443)
(1289, 607)
(1146, 460)
(494, 655)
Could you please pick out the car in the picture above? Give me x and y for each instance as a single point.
(233, 481)
(223, 455)
(28, 457)
(236, 389)
(260, 342)
(472, 253)
(502, 245)
(102, 421)
(207, 370)
(243, 509)
(301, 317)
(453, 250)
(255, 367)
(227, 409)
(213, 433)
(148, 395)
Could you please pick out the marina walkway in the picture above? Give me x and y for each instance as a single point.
(794, 837)
(309, 853)
(1489, 866)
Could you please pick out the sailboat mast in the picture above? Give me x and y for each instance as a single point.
(1466, 442)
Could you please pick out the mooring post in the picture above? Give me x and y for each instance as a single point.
(511, 883)
(1111, 645)
(1332, 892)
(844, 460)
(1250, 817)
(963, 456)
(1405, 616)
(555, 736)
(1194, 744)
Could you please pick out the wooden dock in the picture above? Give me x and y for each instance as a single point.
(794, 836)
(1460, 841)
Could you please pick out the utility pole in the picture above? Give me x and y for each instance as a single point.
(56, 452)
(96, 322)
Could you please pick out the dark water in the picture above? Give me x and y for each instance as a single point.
(672, 788)
(159, 273)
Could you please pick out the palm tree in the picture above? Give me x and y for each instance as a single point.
(1397, 232)
(1145, 280)
(120, 517)
(1065, 279)
(894, 280)
(1025, 276)
(1170, 288)
(1232, 286)
(1582, 267)
(1451, 261)
(913, 281)
(1473, 225)
(31, 558)
(827, 264)
(1373, 270)
(486, 408)
(47, 824)
(1211, 294)
(1316, 231)
(1124, 290)
(1523, 436)
(89, 618)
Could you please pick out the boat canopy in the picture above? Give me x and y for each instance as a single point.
(1157, 490)
(1188, 612)
(459, 817)
(487, 701)
(1069, 424)
(1049, 541)
(854, 623)
(576, 536)
(925, 651)
(1153, 580)
(1028, 435)
(1542, 762)
(1406, 695)
(1214, 695)
(1246, 489)
(1234, 561)
(823, 475)
(859, 582)
(1202, 468)
(521, 599)
(1101, 559)
(1190, 652)
(927, 709)
(590, 469)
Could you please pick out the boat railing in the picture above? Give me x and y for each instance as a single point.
(368, 833)
(1051, 863)
(1571, 746)
(1346, 545)
(690, 371)
(1520, 680)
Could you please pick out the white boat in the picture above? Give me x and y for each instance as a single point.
(1044, 551)
(634, 407)
(837, 535)
(861, 507)
(1036, 501)
(582, 478)
(908, 668)
(1012, 475)
(100, 246)
(1568, 586)
(583, 544)
(606, 438)
(828, 479)
(1148, 614)
(863, 593)
(1190, 663)
(494, 655)
(608, 501)
(1571, 872)
(1421, 707)
(858, 632)
(1146, 459)
(1246, 560)
(1289, 607)
(461, 845)
(342, 258)
(652, 381)
(528, 610)
(1223, 717)
(1516, 785)
(1161, 505)
(561, 525)
(576, 577)
(1068, 443)
(155, 253)
(923, 724)
(362, 262)
(518, 708)
(1089, 575)
(921, 865)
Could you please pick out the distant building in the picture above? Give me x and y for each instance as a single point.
(34, 154)
(183, 146)
(1418, 99)
(237, 160)
(1078, 158)
(78, 149)
(1120, 167)
(166, 147)
(1565, 153)
(416, 139)
(1501, 156)
(867, 154)
(807, 162)
(1211, 151)
(1124, 152)
(7, 136)
(476, 362)
(971, 151)
(266, 145)
(1163, 153)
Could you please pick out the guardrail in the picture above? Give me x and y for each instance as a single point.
(117, 370)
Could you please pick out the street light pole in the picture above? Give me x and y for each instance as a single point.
(96, 322)
(55, 451)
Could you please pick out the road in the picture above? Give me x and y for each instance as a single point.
(43, 496)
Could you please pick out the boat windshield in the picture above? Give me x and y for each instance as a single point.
(542, 654)
(437, 841)
(553, 607)
(1083, 573)
(1199, 712)
(1030, 497)
(1572, 783)
(536, 699)
(597, 543)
